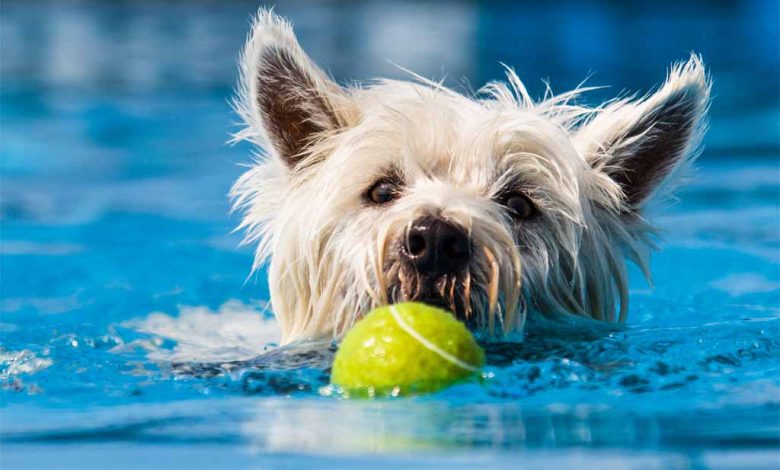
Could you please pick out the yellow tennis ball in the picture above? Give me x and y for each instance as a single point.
(405, 348)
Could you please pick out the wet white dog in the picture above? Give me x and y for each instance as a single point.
(494, 206)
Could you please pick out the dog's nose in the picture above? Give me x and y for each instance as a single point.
(436, 246)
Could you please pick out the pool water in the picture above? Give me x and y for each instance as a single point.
(133, 335)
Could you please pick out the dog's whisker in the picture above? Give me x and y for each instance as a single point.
(453, 282)
(492, 288)
(512, 293)
(406, 285)
(467, 295)
(441, 285)
(379, 266)
(418, 284)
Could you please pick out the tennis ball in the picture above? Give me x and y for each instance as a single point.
(405, 348)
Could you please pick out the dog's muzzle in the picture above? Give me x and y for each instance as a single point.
(435, 255)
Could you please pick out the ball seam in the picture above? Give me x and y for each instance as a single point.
(430, 346)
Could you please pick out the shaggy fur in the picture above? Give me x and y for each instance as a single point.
(589, 172)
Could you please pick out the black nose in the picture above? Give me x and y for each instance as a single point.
(436, 246)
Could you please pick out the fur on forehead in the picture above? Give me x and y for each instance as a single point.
(430, 131)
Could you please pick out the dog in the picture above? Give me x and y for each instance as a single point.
(495, 206)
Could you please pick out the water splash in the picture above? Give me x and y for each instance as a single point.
(234, 332)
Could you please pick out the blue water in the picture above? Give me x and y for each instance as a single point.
(132, 334)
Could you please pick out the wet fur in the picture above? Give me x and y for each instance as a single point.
(332, 256)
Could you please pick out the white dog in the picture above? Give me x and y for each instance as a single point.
(495, 207)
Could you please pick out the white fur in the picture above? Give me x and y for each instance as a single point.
(331, 255)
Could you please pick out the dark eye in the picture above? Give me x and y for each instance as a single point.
(519, 205)
(382, 192)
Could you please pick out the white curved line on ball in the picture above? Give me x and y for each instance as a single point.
(424, 341)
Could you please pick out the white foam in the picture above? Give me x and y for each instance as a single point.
(22, 362)
(235, 331)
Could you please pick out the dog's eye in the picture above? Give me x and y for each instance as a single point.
(519, 205)
(382, 192)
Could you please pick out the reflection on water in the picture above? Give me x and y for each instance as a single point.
(331, 427)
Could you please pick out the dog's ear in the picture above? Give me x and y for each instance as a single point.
(285, 99)
(643, 144)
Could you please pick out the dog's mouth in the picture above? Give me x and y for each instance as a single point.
(457, 307)
(448, 292)
(476, 294)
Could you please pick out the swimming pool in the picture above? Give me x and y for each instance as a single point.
(130, 330)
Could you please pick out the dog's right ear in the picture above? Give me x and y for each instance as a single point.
(285, 99)
(643, 144)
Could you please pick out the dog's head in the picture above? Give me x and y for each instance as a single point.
(492, 206)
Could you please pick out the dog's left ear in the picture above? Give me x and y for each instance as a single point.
(642, 144)
(286, 100)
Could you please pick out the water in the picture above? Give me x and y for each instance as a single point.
(131, 333)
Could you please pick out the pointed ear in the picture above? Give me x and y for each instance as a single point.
(285, 99)
(641, 145)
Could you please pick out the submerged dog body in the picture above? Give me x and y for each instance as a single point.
(496, 206)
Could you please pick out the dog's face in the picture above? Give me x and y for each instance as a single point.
(492, 207)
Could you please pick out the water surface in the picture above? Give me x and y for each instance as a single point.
(131, 331)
